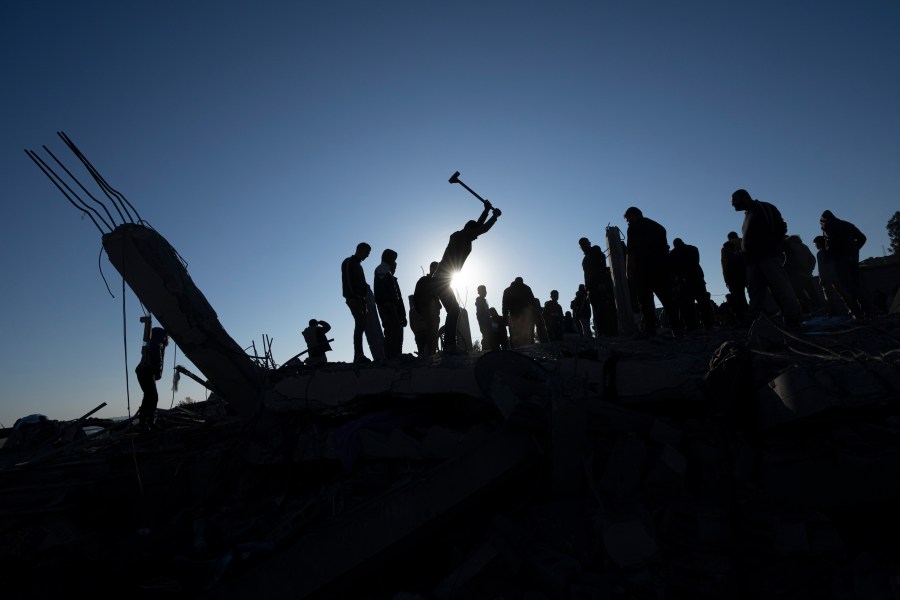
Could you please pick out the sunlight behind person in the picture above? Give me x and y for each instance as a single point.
(465, 282)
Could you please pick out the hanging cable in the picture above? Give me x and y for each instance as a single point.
(177, 377)
(100, 268)
(125, 339)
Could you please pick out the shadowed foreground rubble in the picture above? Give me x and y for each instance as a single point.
(733, 463)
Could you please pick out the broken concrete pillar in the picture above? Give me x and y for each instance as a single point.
(157, 276)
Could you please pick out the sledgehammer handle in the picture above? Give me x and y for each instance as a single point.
(455, 179)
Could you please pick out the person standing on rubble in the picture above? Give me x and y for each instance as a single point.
(763, 246)
(428, 311)
(498, 329)
(693, 298)
(356, 290)
(518, 310)
(149, 371)
(316, 337)
(581, 312)
(553, 317)
(483, 316)
(647, 267)
(390, 304)
(598, 283)
(458, 249)
(831, 289)
(734, 272)
(844, 241)
(800, 262)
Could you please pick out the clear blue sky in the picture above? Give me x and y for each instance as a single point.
(265, 139)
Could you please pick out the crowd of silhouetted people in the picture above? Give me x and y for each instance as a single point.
(766, 270)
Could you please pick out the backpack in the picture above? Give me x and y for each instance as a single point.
(775, 220)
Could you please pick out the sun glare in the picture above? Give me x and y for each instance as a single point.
(460, 282)
(465, 283)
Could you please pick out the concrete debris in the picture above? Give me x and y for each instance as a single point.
(753, 463)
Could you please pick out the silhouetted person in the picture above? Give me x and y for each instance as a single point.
(647, 266)
(553, 317)
(831, 289)
(581, 312)
(483, 316)
(598, 283)
(498, 328)
(390, 304)
(800, 262)
(149, 371)
(844, 243)
(693, 298)
(540, 327)
(568, 322)
(316, 337)
(518, 310)
(734, 272)
(428, 307)
(763, 234)
(356, 291)
(458, 249)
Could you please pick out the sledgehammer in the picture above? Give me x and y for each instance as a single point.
(455, 179)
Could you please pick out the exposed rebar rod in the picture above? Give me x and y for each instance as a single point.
(47, 171)
(95, 174)
(107, 189)
(75, 179)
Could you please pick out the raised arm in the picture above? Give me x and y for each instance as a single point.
(484, 227)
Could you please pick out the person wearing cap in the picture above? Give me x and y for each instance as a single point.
(455, 254)
(844, 241)
(390, 304)
(149, 371)
(763, 247)
(647, 269)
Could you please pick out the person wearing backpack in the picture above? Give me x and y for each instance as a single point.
(149, 370)
(763, 233)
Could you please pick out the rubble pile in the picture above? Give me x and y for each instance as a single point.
(754, 463)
